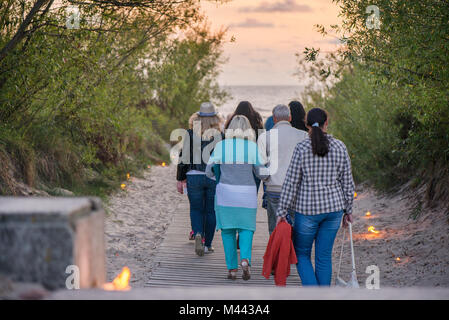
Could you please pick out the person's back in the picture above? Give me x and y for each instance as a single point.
(298, 115)
(191, 175)
(319, 186)
(321, 178)
(276, 146)
(269, 124)
(233, 162)
(236, 187)
(279, 151)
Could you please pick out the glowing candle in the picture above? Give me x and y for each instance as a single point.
(372, 229)
(121, 282)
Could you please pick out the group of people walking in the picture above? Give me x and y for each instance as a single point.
(306, 175)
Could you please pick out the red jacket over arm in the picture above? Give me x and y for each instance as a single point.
(280, 254)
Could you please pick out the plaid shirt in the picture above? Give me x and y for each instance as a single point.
(315, 185)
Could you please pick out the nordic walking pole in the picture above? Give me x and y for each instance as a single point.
(354, 282)
(352, 246)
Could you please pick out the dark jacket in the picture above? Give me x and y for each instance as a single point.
(183, 168)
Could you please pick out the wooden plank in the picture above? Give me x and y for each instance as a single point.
(177, 265)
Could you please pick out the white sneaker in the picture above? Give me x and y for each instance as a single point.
(208, 250)
(199, 246)
(245, 267)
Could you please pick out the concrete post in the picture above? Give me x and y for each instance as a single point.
(40, 237)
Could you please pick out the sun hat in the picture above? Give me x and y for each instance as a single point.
(207, 109)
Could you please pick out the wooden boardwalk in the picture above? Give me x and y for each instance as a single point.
(177, 265)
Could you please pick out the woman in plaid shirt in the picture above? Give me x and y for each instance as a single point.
(320, 189)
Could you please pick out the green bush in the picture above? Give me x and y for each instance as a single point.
(387, 94)
(81, 108)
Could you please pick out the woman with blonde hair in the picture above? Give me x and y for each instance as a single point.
(203, 134)
(234, 162)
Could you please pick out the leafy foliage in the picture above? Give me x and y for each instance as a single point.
(387, 91)
(87, 103)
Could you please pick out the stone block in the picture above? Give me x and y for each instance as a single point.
(41, 236)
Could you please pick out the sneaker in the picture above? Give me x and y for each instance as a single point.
(208, 250)
(232, 274)
(245, 267)
(199, 245)
(192, 235)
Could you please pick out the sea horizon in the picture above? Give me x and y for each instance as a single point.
(262, 97)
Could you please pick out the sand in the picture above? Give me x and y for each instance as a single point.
(139, 216)
(421, 245)
(137, 220)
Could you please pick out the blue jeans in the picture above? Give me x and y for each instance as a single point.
(272, 206)
(322, 229)
(273, 199)
(201, 193)
(230, 246)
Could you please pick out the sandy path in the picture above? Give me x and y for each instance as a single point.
(137, 220)
(422, 245)
(139, 216)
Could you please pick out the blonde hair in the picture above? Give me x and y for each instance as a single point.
(214, 122)
(240, 127)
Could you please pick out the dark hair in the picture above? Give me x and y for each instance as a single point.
(298, 115)
(245, 108)
(320, 143)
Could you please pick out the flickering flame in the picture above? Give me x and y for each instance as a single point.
(121, 282)
(398, 259)
(123, 186)
(128, 176)
(367, 213)
(372, 229)
(163, 164)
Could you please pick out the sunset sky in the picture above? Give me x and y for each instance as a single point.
(268, 34)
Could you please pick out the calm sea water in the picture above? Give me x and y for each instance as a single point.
(262, 98)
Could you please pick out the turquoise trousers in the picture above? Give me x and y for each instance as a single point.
(230, 246)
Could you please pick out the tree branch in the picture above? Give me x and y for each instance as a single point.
(21, 33)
